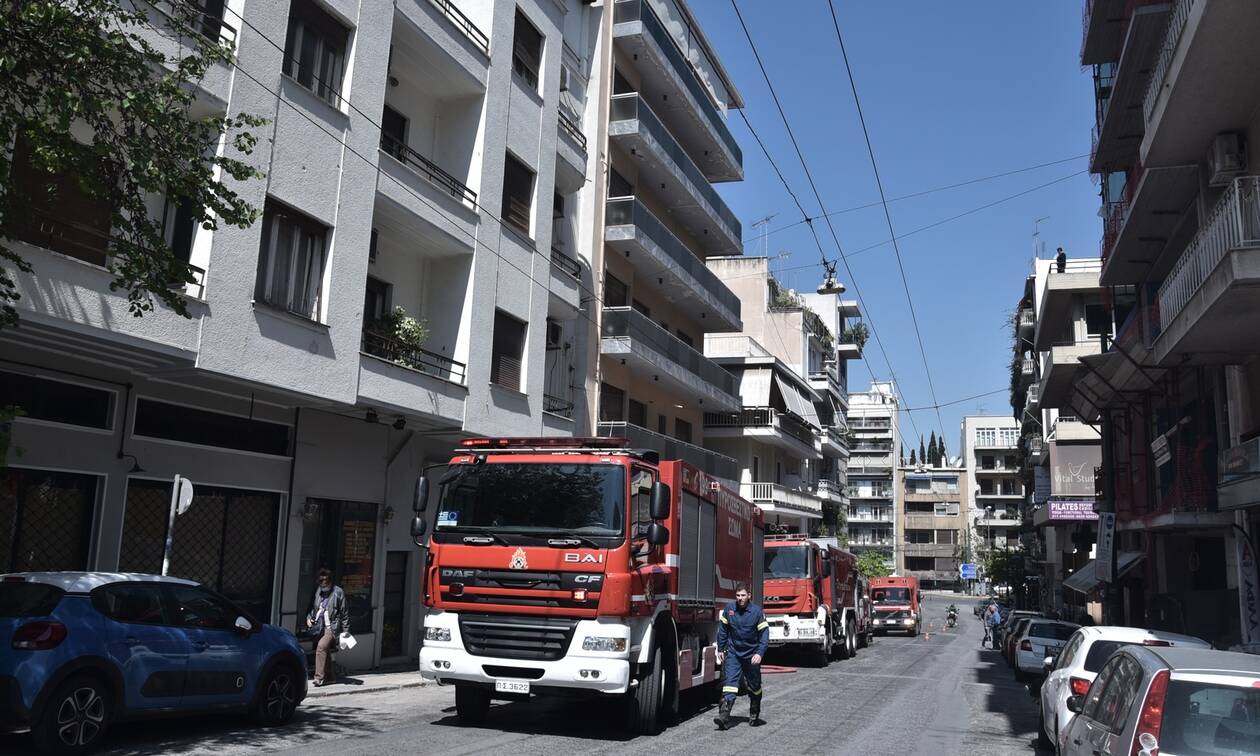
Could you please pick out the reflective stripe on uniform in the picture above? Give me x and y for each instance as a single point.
(763, 625)
(730, 688)
(756, 692)
(722, 617)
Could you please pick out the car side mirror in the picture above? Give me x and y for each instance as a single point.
(660, 501)
(418, 527)
(1048, 663)
(657, 534)
(420, 500)
(243, 625)
(1074, 704)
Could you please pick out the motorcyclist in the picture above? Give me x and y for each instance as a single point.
(951, 615)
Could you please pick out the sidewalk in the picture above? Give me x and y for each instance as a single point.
(369, 681)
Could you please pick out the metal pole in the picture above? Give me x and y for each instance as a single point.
(170, 528)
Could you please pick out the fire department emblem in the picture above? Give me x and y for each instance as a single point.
(648, 590)
(518, 560)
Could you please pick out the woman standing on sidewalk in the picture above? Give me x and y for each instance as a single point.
(327, 620)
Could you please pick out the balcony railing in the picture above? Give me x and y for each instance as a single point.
(1233, 223)
(869, 493)
(718, 345)
(628, 211)
(388, 348)
(464, 24)
(1026, 320)
(1172, 37)
(557, 406)
(566, 263)
(1114, 215)
(776, 494)
(428, 169)
(638, 10)
(573, 129)
(624, 322)
(859, 423)
(632, 107)
(762, 417)
(711, 462)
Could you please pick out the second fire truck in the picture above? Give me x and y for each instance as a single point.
(813, 598)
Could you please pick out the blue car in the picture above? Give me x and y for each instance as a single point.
(80, 651)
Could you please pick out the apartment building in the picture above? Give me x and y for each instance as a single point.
(990, 447)
(789, 436)
(1062, 315)
(664, 142)
(424, 169)
(1175, 389)
(874, 497)
(933, 531)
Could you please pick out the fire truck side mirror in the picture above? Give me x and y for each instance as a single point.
(418, 527)
(657, 534)
(420, 501)
(826, 569)
(660, 501)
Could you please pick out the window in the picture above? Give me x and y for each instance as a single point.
(920, 563)
(137, 603)
(189, 425)
(920, 507)
(194, 607)
(1097, 320)
(682, 430)
(509, 351)
(394, 133)
(178, 227)
(640, 503)
(945, 509)
(948, 537)
(527, 46)
(315, 50)
(63, 218)
(621, 85)
(57, 402)
(45, 520)
(291, 261)
(375, 301)
(637, 414)
(662, 424)
(612, 404)
(918, 536)
(518, 193)
(616, 293)
(344, 541)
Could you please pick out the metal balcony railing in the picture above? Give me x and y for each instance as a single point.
(859, 423)
(762, 417)
(776, 494)
(711, 462)
(557, 406)
(632, 107)
(1026, 319)
(428, 169)
(638, 10)
(571, 127)
(628, 211)
(625, 322)
(1172, 37)
(566, 263)
(464, 24)
(869, 493)
(718, 345)
(1233, 223)
(388, 348)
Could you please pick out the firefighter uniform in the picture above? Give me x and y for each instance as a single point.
(742, 633)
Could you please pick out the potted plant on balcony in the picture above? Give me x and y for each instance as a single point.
(857, 333)
(403, 336)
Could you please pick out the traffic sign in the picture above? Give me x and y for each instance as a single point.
(967, 571)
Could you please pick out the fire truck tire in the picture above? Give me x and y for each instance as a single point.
(643, 702)
(843, 647)
(472, 704)
(864, 640)
(851, 638)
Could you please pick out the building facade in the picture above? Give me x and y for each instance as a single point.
(934, 531)
(874, 497)
(425, 174)
(990, 447)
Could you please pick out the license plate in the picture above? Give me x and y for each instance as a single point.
(511, 686)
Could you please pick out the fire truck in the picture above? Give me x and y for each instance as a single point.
(813, 598)
(561, 566)
(896, 604)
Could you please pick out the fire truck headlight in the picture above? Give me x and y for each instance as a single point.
(437, 634)
(602, 643)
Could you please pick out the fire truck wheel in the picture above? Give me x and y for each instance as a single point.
(864, 640)
(850, 637)
(471, 704)
(842, 649)
(643, 702)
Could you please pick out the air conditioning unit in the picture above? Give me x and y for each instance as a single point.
(1227, 159)
(554, 334)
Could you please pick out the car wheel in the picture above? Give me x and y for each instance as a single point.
(75, 718)
(1043, 740)
(277, 696)
(472, 704)
(643, 703)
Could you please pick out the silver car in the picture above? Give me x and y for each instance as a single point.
(1167, 700)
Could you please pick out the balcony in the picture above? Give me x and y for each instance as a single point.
(1060, 368)
(660, 356)
(1102, 32)
(1033, 398)
(669, 79)
(571, 151)
(425, 387)
(675, 179)
(829, 380)
(1151, 222)
(1007, 519)
(1078, 276)
(767, 424)
(832, 441)
(1068, 428)
(830, 490)
(781, 500)
(944, 550)
(1000, 438)
(1118, 134)
(717, 465)
(1027, 371)
(1027, 321)
(656, 254)
(879, 425)
(1208, 305)
(881, 515)
(997, 470)
(870, 465)
(858, 492)
(1203, 80)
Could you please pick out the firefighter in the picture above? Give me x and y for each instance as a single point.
(743, 637)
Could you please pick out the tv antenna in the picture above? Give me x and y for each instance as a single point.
(763, 234)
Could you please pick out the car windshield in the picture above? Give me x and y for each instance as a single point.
(1206, 718)
(537, 499)
(1051, 631)
(1100, 652)
(891, 595)
(28, 599)
(787, 562)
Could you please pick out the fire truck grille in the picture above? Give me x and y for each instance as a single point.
(516, 637)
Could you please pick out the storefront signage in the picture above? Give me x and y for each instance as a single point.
(1041, 485)
(1248, 590)
(1072, 469)
(1104, 558)
(1160, 451)
(1075, 509)
(1241, 460)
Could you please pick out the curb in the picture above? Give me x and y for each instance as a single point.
(338, 689)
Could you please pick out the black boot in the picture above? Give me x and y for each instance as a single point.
(723, 719)
(754, 710)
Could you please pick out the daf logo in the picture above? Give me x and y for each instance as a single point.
(587, 578)
(448, 572)
(577, 557)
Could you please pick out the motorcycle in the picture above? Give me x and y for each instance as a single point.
(951, 619)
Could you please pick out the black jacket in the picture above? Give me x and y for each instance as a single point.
(338, 616)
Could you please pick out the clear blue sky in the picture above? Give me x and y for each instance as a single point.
(951, 92)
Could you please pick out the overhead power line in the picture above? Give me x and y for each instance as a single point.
(955, 401)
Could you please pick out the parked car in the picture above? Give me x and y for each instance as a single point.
(1009, 617)
(1161, 699)
(1036, 640)
(1010, 635)
(1078, 663)
(85, 650)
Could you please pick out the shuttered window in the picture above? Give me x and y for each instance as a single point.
(518, 193)
(527, 44)
(63, 216)
(509, 351)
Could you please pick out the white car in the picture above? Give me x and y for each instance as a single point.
(1037, 639)
(1078, 663)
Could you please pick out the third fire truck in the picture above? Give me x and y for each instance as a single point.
(813, 598)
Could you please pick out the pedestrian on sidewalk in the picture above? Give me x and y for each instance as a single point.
(742, 641)
(327, 620)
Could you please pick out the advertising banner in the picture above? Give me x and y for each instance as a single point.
(1076, 510)
(1106, 545)
(1248, 590)
(1072, 469)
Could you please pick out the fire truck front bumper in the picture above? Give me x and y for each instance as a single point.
(597, 660)
(787, 629)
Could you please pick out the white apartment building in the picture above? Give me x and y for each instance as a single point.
(789, 437)
(431, 158)
(990, 447)
(874, 499)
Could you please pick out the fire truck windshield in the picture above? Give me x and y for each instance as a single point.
(543, 500)
(891, 595)
(787, 562)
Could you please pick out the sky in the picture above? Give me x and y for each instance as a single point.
(951, 92)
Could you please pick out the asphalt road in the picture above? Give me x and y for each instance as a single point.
(936, 694)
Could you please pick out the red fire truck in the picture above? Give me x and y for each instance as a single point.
(813, 598)
(896, 604)
(562, 565)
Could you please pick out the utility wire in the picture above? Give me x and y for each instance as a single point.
(956, 401)
(870, 151)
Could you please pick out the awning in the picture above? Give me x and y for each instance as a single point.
(796, 401)
(754, 387)
(1085, 580)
